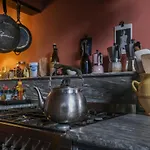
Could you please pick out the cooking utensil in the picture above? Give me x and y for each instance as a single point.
(130, 50)
(114, 53)
(146, 61)
(130, 65)
(25, 34)
(128, 60)
(9, 32)
(97, 63)
(64, 104)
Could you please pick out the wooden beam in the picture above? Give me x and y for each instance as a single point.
(30, 7)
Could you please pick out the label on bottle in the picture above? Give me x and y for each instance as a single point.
(52, 70)
(86, 67)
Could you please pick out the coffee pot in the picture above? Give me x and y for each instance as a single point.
(114, 55)
(97, 62)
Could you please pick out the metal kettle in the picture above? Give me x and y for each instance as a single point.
(64, 104)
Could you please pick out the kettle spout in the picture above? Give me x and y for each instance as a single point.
(40, 97)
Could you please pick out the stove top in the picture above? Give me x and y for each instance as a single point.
(35, 118)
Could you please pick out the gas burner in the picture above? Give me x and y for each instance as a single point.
(63, 127)
(35, 118)
(98, 119)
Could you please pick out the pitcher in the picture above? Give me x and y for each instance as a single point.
(142, 90)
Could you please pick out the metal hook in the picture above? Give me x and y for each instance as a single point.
(121, 23)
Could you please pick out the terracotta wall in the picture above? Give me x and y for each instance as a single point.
(66, 21)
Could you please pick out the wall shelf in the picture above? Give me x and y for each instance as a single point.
(108, 74)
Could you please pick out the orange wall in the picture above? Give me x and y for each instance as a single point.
(10, 59)
(65, 22)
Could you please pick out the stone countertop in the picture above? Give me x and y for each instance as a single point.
(128, 132)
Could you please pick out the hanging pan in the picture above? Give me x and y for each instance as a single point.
(25, 34)
(9, 31)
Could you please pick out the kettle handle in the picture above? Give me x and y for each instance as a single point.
(134, 84)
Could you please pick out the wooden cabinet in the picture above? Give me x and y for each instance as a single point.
(30, 7)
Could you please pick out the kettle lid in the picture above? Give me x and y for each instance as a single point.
(65, 87)
(65, 82)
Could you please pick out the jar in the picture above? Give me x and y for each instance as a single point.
(21, 64)
(20, 68)
(33, 69)
(11, 73)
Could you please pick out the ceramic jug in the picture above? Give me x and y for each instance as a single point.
(142, 90)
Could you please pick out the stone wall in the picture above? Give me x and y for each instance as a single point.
(105, 88)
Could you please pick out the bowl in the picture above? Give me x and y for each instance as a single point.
(138, 61)
(139, 53)
(70, 72)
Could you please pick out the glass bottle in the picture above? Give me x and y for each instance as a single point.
(54, 60)
(86, 65)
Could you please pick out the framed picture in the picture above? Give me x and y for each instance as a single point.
(123, 36)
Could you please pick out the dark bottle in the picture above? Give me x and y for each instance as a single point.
(55, 58)
(86, 65)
